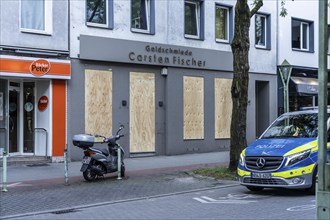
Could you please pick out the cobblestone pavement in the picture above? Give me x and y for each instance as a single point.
(56, 196)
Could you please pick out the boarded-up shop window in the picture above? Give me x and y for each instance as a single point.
(98, 102)
(142, 112)
(193, 109)
(223, 107)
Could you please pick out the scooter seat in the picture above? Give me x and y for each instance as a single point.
(105, 152)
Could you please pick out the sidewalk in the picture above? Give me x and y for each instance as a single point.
(147, 177)
(134, 166)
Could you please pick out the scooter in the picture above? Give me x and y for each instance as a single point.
(98, 162)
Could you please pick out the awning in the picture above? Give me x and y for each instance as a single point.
(305, 86)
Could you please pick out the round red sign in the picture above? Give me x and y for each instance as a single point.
(40, 67)
(43, 103)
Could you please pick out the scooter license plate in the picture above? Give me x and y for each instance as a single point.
(86, 160)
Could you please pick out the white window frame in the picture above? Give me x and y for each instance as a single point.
(302, 23)
(198, 18)
(227, 26)
(48, 22)
(264, 31)
(97, 24)
(148, 12)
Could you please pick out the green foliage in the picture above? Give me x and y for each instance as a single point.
(222, 173)
(284, 11)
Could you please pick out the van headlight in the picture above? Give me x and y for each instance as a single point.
(241, 160)
(295, 158)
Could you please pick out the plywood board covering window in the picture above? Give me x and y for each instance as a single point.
(98, 102)
(223, 107)
(142, 112)
(193, 115)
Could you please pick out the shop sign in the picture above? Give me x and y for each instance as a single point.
(40, 67)
(43, 103)
(167, 56)
(156, 54)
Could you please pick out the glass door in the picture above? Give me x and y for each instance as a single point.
(14, 107)
(21, 117)
(28, 117)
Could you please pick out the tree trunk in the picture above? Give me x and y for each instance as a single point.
(239, 91)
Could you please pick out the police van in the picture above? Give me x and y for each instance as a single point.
(285, 155)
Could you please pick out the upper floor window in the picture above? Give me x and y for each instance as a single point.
(223, 24)
(194, 19)
(142, 16)
(302, 35)
(99, 13)
(262, 31)
(328, 40)
(36, 16)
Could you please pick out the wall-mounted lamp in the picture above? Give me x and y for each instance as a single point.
(163, 71)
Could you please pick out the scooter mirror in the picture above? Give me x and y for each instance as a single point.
(120, 128)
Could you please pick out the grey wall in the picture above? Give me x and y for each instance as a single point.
(120, 83)
(174, 113)
(251, 109)
(169, 118)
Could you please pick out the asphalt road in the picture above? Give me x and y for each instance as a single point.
(218, 202)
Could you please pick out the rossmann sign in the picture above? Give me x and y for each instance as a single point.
(33, 67)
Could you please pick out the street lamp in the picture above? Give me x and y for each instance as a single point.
(285, 72)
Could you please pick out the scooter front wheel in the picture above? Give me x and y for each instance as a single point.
(89, 175)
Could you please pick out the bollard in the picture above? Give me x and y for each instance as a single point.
(119, 163)
(4, 171)
(66, 176)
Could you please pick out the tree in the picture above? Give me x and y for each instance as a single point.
(239, 91)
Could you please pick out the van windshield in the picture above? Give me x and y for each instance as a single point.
(293, 126)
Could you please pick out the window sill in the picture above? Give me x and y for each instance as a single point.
(39, 32)
(222, 41)
(192, 37)
(300, 50)
(141, 31)
(95, 25)
(262, 47)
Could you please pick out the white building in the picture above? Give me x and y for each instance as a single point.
(298, 43)
(34, 68)
(164, 70)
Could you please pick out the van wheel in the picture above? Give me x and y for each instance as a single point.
(255, 188)
(311, 190)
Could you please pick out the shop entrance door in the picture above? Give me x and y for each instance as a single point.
(21, 117)
(14, 107)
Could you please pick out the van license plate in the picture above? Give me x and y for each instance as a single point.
(261, 175)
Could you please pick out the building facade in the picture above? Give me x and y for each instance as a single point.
(34, 70)
(298, 43)
(163, 69)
